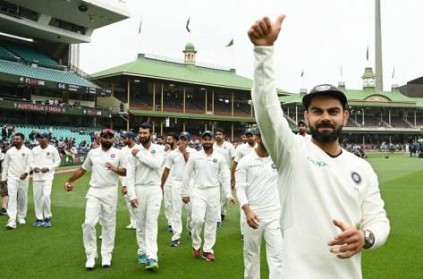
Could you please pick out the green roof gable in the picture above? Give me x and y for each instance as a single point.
(179, 72)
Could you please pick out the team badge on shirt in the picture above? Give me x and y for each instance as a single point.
(153, 151)
(273, 166)
(214, 160)
(23, 154)
(356, 177)
(112, 156)
(48, 153)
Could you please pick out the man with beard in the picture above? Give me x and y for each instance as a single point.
(44, 160)
(15, 173)
(129, 141)
(170, 145)
(106, 164)
(210, 172)
(302, 129)
(242, 151)
(174, 171)
(330, 198)
(145, 194)
(228, 152)
(256, 189)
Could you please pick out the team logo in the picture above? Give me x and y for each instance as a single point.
(112, 156)
(356, 177)
(273, 166)
(48, 153)
(153, 151)
(214, 160)
(322, 88)
(23, 154)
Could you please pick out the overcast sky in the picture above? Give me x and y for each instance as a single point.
(318, 37)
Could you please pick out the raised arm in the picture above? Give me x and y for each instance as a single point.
(277, 135)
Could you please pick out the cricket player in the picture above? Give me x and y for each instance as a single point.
(129, 141)
(330, 199)
(256, 189)
(171, 143)
(174, 170)
(241, 151)
(16, 167)
(145, 194)
(44, 161)
(227, 150)
(210, 172)
(302, 129)
(106, 164)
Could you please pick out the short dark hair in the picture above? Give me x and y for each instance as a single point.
(302, 122)
(219, 130)
(173, 135)
(19, 135)
(146, 125)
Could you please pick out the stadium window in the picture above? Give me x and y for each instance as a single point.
(67, 26)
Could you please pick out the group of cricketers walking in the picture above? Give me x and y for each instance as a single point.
(200, 181)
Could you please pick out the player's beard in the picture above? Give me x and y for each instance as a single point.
(106, 145)
(325, 137)
(207, 147)
(145, 140)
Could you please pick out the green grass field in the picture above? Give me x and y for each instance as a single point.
(29, 252)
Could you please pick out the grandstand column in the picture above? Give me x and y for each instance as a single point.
(296, 114)
(213, 101)
(161, 102)
(362, 119)
(232, 104)
(154, 97)
(205, 101)
(184, 103)
(128, 93)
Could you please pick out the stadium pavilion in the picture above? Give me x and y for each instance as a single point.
(40, 83)
(42, 86)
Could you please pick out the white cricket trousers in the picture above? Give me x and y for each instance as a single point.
(100, 205)
(205, 207)
(17, 206)
(167, 201)
(269, 229)
(146, 218)
(42, 201)
(223, 204)
(177, 205)
(130, 209)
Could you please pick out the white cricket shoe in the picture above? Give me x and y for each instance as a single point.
(11, 224)
(89, 265)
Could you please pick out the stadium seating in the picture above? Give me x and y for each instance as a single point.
(7, 55)
(31, 55)
(398, 122)
(58, 132)
(41, 73)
